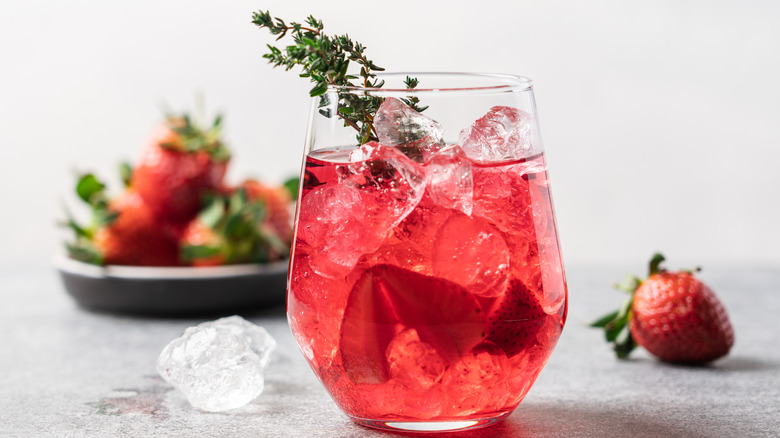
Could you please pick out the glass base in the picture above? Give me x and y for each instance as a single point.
(429, 426)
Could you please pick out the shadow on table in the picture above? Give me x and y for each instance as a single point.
(549, 420)
(742, 363)
(728, 364)
(257, 312)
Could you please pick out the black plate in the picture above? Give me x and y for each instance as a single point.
(174, 291)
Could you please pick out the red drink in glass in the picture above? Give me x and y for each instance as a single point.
(426, 288)
(444, 316)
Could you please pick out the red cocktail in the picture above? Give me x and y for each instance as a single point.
(426, 287)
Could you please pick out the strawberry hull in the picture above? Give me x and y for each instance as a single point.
(425, 310)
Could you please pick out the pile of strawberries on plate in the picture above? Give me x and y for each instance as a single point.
(177, 210)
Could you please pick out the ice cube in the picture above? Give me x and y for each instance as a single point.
(333, 222)
(507, 197)
(414, 362)
(412, 133)
(218, 365)
(504, 133)
(364, 152)
(450, 183)
(344, 221)
(390, 184)
(315, 309)
(472, 252)
(478, 381)
(419, 228)
(502, 195)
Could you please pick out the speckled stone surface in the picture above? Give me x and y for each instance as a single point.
(69, 372)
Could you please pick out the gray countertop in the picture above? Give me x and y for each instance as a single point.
(65, 371)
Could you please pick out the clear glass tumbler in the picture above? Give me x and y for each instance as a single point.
(426, 287)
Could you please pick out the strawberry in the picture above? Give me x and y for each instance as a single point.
(387, 300)
(135, 237)
(124, 231)
(516, 320)
(180, 164)
(277, 204)
(200, 244)
(673, 315)
(231, 230)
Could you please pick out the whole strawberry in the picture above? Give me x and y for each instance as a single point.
(181, 163)
(123, 231)
(135, 237)
(672, 315)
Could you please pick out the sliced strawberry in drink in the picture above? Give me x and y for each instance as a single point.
(518, 321)
(367, 328)
(387, 300)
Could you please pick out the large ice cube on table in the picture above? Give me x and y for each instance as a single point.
(414, 134)
(218, 365)
(504, 133)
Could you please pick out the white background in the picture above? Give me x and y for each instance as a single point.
(661, 119)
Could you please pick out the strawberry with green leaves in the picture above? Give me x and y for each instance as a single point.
(277, 200)
(180, 165)
(673, 315)
(124, 231)
(231, 230)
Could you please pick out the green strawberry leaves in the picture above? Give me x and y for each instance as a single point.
(291, 185)
(193, 137)
(629, 284)
(126, 173)
(615, 324)
(93, 192)
(237, 221)
(194, 252)
(655, 264)
(83, 251)
(90, 189)
(213, 213)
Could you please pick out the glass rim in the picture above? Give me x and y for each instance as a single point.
(503, 83)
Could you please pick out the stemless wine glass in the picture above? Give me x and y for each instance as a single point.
(426, 287)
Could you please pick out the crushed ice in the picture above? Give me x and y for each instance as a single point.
(218, 365)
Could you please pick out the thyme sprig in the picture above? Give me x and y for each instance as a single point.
(413, 101)
(325, 61)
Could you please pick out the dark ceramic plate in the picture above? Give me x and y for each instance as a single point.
(174, 291)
